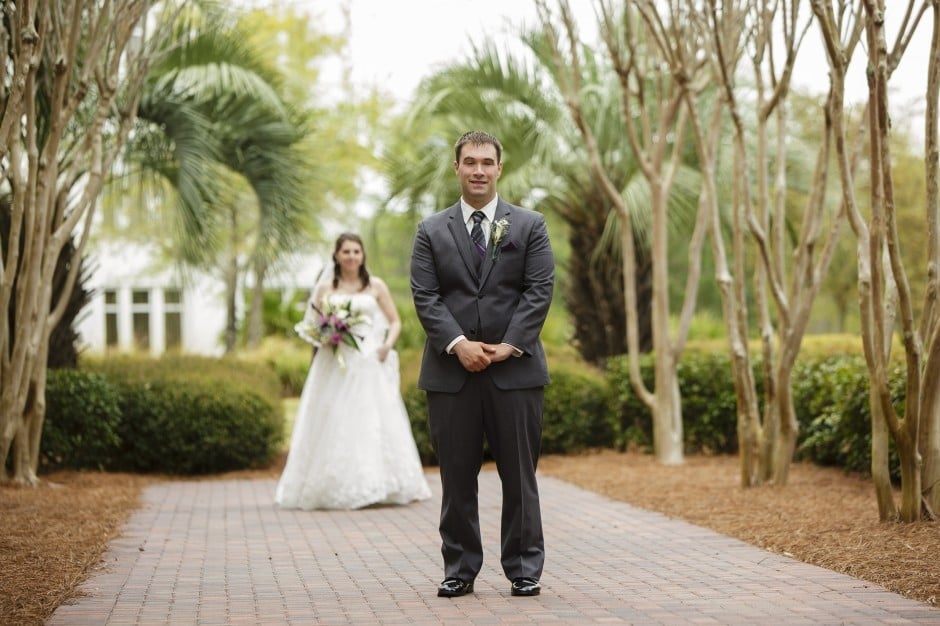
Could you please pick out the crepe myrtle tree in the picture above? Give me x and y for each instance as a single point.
(783, 249)
(70, 87)
(655, 126)
(886, 300)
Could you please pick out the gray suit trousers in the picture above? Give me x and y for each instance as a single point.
(511, 423)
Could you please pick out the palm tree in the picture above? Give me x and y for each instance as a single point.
(215, 131)
(518, 100)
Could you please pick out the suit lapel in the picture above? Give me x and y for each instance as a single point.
(502, 212)
(458, 231)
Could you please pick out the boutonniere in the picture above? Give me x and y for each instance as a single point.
(498, 232)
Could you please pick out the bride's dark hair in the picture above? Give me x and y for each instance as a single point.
(363, 272)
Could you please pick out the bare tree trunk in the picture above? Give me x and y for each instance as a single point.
(256, 311)
(931, 438)
(881, 274)
(231, 274)
(231, 305)
(656, 142)
(771, 33)
(881, 435)
(930, 323)
(27, 469)
(880, 466)
(838, 55)
(667, 418)
(93, 60)
(748, 415)
(883, 232)
(786, 440)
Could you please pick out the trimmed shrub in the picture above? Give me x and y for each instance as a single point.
(80, 430)
(289, 358)
(416, 404)
(831, 400)
(194, 415)
(709, 405)
(830, 397)
(576, 414)
(634, 423)
(197, 427)
(230, 371)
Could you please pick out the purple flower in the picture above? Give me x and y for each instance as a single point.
(333, 326)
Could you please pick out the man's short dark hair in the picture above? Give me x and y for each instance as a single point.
(478, 138)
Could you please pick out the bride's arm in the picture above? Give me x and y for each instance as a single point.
(311, 316)
(384, 298)
(315, 300)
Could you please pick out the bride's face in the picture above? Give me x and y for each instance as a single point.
(349, 257)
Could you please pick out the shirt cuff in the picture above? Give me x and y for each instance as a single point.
(450, 346)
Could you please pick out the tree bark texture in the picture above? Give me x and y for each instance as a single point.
(71, 101)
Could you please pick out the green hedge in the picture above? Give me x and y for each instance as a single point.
(831, 400)
(709, 410)
(830, 397)
(576, 415)
(633, 421)
(83, 416)
(175, 415)
(196, 427)
(416, 405)
(194, 415)
(229, 371)
(288, 356)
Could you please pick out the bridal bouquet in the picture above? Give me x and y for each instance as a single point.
(332, 326)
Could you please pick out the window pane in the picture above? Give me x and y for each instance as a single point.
(110, 296)
(140, 296)
(110, 330)
(142, 331)
(172, 296)
(174, 330)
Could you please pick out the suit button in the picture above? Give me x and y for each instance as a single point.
(473, 331)
(479, 296)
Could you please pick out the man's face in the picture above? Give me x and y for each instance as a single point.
(478, 170)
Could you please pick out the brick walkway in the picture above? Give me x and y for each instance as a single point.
(220, 552)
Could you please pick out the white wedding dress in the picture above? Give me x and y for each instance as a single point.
(351, 444)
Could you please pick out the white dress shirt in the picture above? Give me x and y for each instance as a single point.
(489, 212)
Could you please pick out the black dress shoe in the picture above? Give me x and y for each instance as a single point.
(454, 587)
(525, 587)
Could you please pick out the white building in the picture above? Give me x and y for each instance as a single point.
(141, 305)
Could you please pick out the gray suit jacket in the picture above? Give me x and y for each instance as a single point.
(508, 302)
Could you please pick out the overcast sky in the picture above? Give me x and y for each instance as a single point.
(395, 43)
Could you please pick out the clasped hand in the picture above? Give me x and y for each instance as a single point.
(476, 356)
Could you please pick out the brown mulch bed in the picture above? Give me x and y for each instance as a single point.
(822, 516)
(54, 536)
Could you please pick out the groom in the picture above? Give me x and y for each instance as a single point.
(482, 274)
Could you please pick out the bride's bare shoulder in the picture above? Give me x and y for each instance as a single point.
(377, 284)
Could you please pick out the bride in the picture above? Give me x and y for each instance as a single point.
(351, 444)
